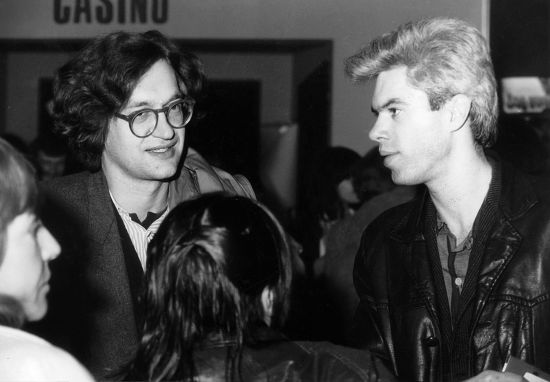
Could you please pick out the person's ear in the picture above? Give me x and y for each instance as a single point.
(459, 111)
(267, 298)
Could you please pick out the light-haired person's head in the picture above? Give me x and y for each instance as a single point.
(18, 190)
(444, 57)
(26, 246)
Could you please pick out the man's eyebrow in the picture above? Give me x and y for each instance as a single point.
(131, 105)
(137, 104)
(388, 103)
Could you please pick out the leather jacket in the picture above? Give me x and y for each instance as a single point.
(272, 357)
(399, 317)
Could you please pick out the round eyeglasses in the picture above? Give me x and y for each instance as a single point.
(143, 122)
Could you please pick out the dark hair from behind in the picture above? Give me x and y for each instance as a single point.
(207, 267)
(97, 83)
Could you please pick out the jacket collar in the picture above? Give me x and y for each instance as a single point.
(195, 177)
(100, 207)
(256, 335)
(517, 197)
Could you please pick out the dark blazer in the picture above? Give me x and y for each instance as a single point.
(403, 313)
(91, 311)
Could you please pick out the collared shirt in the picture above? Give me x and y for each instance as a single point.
(139, 235)
(446, 243)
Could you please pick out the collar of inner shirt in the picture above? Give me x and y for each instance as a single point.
(145, 223)
(442, 229)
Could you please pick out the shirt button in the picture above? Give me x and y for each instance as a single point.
(458, 281)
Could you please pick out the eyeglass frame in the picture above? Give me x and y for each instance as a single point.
(130, 117)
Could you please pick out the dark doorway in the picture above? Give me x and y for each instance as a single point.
(314, 121)
(520, 37)
(45, 95)
(228, 133)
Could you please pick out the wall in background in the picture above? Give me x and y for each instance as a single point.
(349, 24)
(22, 104)
(274, 71)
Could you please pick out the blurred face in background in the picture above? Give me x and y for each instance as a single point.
(346, 193)
(51, 166)
(24, 271)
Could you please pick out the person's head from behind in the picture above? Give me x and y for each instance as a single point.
(434, 77)
(218, 267)
(26, 246)
(123, 103)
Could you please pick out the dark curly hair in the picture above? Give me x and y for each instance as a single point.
(97, 83)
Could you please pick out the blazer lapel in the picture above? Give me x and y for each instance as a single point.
(107, 268)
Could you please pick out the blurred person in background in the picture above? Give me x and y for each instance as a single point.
(376, 192)
(331, 195)
(330, 198)
(50, 156)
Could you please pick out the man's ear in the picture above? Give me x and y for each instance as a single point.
(459, 108)
(267, 303)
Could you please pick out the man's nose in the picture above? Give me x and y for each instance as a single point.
(378, 131)
(164, 130)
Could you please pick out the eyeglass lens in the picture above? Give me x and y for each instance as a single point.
(177, 115)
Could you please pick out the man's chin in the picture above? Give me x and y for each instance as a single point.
(165, 174)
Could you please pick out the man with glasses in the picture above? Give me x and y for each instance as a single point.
(124, 104)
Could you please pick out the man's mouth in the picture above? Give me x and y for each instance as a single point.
(161, 149)
(385, 153)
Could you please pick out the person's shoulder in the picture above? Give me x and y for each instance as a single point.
(66, 199)
(393, 216)
(67, 192)
(345, 363)
(26, 357)
(541, 185)
(399, 197)
(521, 190)
(211, 178)
(67, 183)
